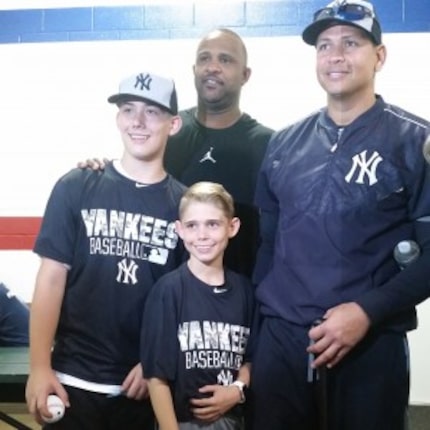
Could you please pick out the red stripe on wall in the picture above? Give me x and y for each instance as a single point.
(18, 232)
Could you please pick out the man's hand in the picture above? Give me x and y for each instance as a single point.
(210, 409)
(134, 385)
(93, 163)
(342, 328)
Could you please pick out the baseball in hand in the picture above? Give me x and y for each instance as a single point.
(56, 408)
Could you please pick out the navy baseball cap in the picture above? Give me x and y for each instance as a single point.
(357, 13)
(148, 87)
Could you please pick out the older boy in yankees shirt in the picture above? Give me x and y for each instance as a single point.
(106, 238)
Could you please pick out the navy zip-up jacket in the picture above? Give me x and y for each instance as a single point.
(334, 203)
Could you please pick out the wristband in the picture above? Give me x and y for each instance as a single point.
(241, 386)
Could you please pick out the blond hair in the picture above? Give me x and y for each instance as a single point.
(208, 192)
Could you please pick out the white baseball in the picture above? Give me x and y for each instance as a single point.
(55, 407)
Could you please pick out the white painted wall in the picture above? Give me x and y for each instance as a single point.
(54, 112)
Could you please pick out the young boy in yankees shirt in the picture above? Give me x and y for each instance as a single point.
(197, 323)
(106, 238)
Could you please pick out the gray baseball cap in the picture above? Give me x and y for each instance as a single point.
(148, 87)
(357, 13)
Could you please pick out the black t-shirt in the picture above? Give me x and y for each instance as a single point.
(194, 334)
(118, 238)
(232, 157)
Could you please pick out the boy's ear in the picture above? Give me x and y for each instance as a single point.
(175, 125)
(178, 228)
(234, 227)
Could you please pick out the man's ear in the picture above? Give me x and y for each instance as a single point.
(246, 75)
(381, 54)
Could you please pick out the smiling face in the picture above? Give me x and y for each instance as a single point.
(220, 70)
(347, 61)
(144, 129)
(206, 230)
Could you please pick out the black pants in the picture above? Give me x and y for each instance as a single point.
(368, 390)
(93, 411)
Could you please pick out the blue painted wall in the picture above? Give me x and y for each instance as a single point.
(191, 20)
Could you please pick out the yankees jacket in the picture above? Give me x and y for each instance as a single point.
(334, 203)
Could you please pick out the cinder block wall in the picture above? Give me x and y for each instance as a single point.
(174, 20)
(177, 20)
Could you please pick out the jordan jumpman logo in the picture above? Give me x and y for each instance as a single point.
(208, 156)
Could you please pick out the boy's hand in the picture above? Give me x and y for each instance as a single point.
(40, 384)
(210, 409)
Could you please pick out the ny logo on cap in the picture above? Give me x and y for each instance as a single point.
(144, 81)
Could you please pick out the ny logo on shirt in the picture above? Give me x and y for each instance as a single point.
(367, 167)
(127, 272)
(225, 377)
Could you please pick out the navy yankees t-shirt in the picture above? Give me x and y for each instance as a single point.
(118, 237)
(194, 334)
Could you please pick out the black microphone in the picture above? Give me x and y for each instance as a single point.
(406, 252)
(426, 149)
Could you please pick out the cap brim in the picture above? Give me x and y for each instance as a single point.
(311, 32)
(124, 98)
